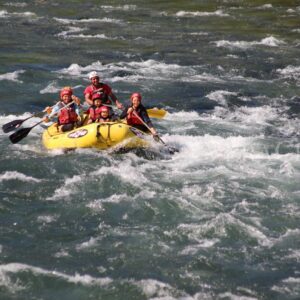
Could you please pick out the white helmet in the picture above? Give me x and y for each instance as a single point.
(93, 74)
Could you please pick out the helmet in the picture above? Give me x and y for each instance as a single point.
(104, 108)
(96, 96)
(93, 74)
(67, 90)
(136, 95)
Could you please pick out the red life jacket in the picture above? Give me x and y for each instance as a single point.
(102, 93)
(67, 115)
(133, 120)
(94, 112)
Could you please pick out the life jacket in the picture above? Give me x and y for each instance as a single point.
(94, 112)
(132, 119)
(67, 115)
(102, 94)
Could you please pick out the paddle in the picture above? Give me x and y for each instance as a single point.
(156, 137)
(23, 132)
(15, 124)
(157, 113)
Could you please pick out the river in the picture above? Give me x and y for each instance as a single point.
(217, 220)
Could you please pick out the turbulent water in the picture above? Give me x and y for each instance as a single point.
(217, 220)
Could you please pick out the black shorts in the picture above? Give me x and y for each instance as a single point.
(67, 127)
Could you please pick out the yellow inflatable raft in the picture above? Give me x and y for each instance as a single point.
(95, 135)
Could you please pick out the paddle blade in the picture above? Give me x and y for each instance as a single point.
(12, 125)
(170, 149)
(19, 135)
(156, 113)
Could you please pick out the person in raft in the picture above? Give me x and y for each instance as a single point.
(137, 116)
(98, 112)
(68, 114)
(104, 90)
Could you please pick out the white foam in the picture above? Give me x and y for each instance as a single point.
(46, 219)
(294, 255)
(139, 69)
(254, 115)
(52, 87)
(66, 190)
(125, 171)
(91, 36)
(231, 296)
(265, 6)
(287, 169)
(290, 10)
(199, 33)
(204, 77)
(288, 286)
(126, 7)
(218, 13)
(13, 175)
(182, 116)
(91, 20)
(291, 235)
(208, 148)
(92, 242)
(221, 222)
(268, 41)
(220, 96)
(12, 76)
(70, 31)
(97, 205)
(6, 14)
(290, 72)
(202, 243)
(152, 287)
(16, 4)
(61, 253)
(87, 280)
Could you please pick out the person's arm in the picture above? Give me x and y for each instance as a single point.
(76, 100)
(146, 119)
(88, 96)
(113, 97)
(88, 99)
(53, 112)
(123, 114)
(77, 109)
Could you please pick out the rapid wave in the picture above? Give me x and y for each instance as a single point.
(14, 175)
(12, 76)
(268, 41)
(218, 13)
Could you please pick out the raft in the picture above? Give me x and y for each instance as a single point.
(95, 135)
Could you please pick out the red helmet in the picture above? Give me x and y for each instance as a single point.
(66, 91)
(104, 108)
(136, 95)
(96, 96)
